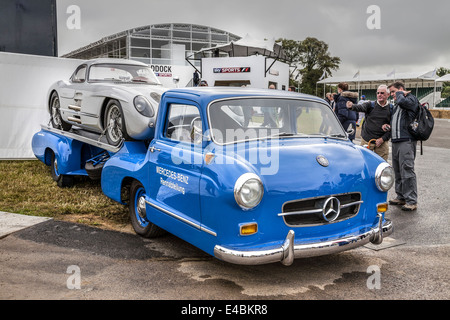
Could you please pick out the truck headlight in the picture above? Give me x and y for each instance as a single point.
(384, 177)
(143, 106)
(248, 190)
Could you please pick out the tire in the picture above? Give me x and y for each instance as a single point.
(138, 216)
(63, 181)
(55, 113)
(114, 123)
(94, 172)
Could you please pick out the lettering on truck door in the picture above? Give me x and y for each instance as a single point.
(176, 162)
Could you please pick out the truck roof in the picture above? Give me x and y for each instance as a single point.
(207, 94)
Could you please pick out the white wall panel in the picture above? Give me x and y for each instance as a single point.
(24, 83)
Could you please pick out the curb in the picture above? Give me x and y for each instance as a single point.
(12, 222)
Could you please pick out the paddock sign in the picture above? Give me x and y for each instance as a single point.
(162, 70)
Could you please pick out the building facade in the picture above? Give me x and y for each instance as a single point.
(158, 44)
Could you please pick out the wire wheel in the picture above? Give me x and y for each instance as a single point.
(55, 111)
(114, 122)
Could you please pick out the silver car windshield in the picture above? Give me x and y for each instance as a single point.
(122, 73)
(261, 118)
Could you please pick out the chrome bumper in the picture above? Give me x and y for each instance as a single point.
(289, 251)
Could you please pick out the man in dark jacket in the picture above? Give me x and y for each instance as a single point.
(346, 117)
(403, 147)
(377, 113)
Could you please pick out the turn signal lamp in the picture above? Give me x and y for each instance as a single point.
(249, 229)
(382, 207)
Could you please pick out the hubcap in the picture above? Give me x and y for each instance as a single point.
(141, 207)
(55, 166)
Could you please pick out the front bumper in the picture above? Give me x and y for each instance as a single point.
(289, 251)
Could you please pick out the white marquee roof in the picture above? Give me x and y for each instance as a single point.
(445, 78)
(248, 46)
(384, 78)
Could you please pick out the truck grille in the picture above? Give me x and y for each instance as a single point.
(313, 211)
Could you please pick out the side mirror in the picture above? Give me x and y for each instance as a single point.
(196, 131)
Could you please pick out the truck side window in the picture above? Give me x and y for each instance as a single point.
(179, 120)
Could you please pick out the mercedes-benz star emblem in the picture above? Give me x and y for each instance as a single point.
(322, 161)
(331, 209)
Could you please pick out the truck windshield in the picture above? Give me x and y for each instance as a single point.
(261, 118)
(123, 73)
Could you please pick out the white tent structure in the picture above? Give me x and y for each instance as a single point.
(438, 81)
(265, 61)
(445, 78)
(417, 82)
(411, 79)
(247, 46)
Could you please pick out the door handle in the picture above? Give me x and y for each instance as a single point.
(153, 149)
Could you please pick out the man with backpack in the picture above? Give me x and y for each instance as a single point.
(404, 145)
(377, 113)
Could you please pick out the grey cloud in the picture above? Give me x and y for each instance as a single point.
(413, 33)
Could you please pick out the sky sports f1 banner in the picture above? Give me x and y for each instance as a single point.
(231, 70)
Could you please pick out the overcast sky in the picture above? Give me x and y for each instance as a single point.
(405, 35)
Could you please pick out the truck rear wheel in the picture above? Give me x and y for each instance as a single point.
(61, 179)
(138, 215)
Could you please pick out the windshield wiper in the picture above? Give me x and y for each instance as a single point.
(139, 80)
(337, 135)
(283, 134)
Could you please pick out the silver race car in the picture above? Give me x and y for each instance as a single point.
(116, 97)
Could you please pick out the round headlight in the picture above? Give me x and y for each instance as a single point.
(384, 177)
(143, 106)
(248, 191)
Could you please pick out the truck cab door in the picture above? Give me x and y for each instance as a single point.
(176, 163)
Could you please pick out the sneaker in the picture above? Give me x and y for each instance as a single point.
(397, 202)
(409, 207)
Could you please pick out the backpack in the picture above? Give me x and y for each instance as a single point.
(422, 125)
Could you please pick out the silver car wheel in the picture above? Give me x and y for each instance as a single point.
(56, 115)
(114, 122)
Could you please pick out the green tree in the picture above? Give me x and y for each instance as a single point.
(311, 59)
(446, 85)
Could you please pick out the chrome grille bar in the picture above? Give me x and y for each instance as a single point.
(318, 210)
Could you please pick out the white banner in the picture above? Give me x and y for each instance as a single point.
(24, 83)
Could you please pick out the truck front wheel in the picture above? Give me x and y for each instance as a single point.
(138, 213)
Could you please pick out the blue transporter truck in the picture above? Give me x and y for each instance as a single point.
(249, 176)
